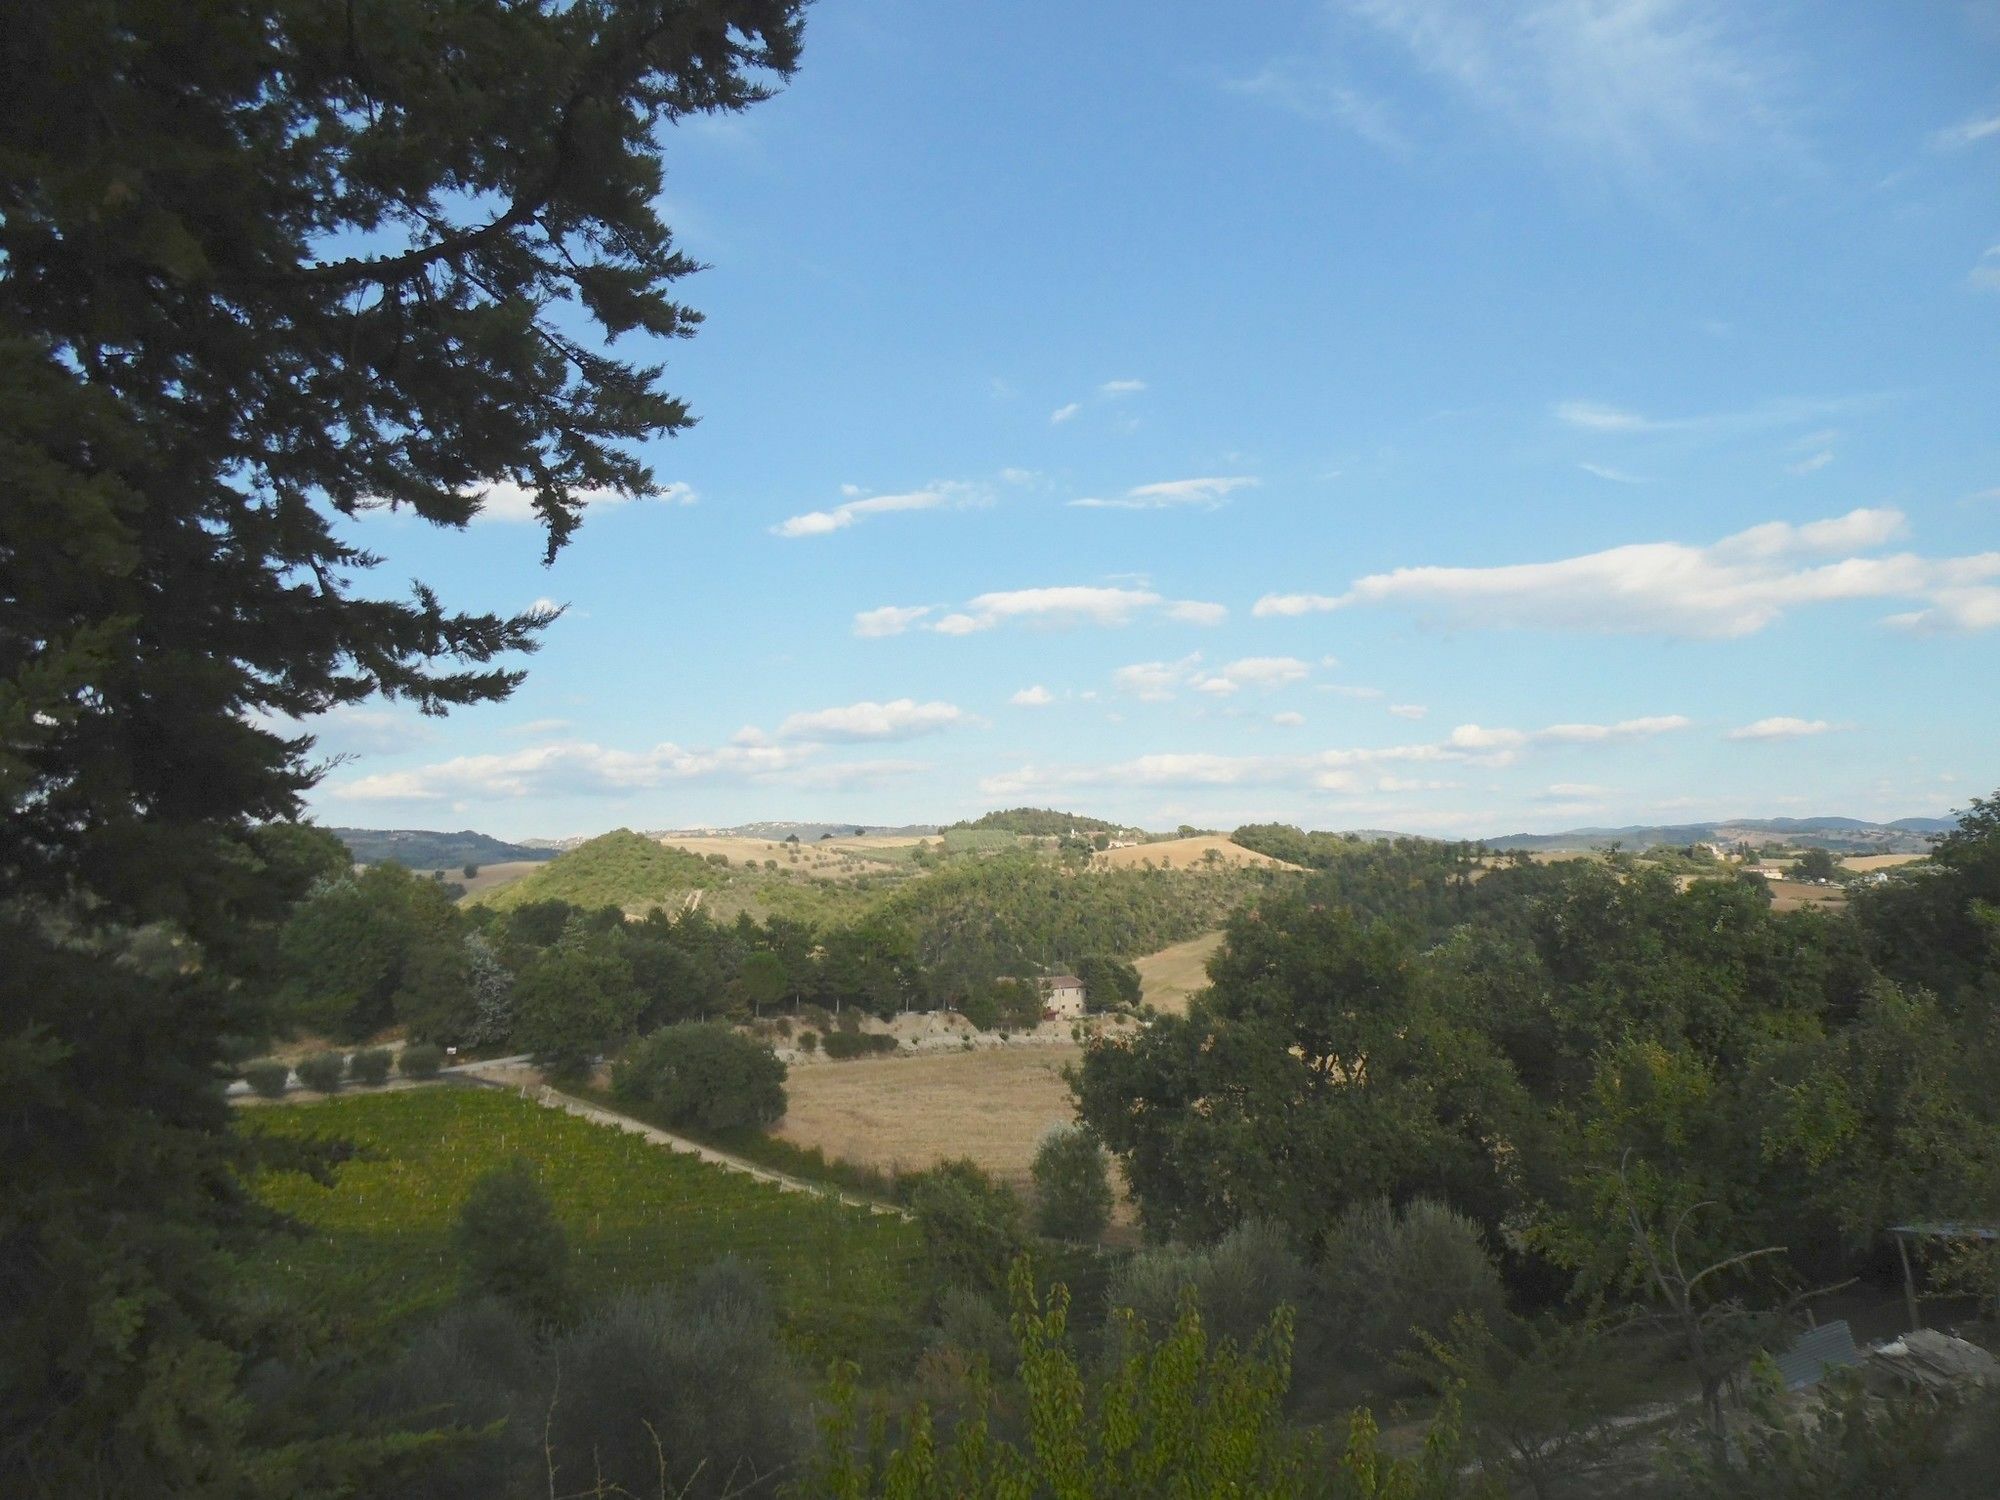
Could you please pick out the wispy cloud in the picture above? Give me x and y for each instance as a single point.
(1966, 132)
(508, 501)
(1207, 494)
(1341, 770)
(1615, 476)
(1064, 605)
(1064, 413)
(570, 768)
(1033, 697)
(1115, 388)
(1408, 710)
(1158, 681)
(1628, 81)
(1986, 274)
(860, 506)
(1304, 88)
(1781, 728)
(1605, 418)
(902, 719)
(1733, 587)
(890, 619)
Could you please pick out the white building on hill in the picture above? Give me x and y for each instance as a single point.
(1062, 996)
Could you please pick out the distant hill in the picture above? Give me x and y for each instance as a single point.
(1840, 835)
(806, 833)
(1042, 822)
(424, 849)
(620, 868)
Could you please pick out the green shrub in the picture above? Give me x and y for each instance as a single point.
(370, 1066)
(846, 1044)
(1238, 1283)
(809, 1041)
(1392, 1277)
(322, 1072)
(971, 1227)
(510, 1244)
(267, 1077)
(1072, 1184)
(421, 1060)
(705, 1074)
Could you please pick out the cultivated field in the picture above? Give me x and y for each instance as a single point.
(1169, 977)
(637, 1214)
(907, 1113)
(1791, 895)
(1867, 862)
(490, 877)
(828, 858)
(1184, 854)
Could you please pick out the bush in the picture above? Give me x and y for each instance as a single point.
(1238, 1283)
(809, 1041)
(510, 1244)
(699, 1381)
(322, 1072)
(267, 1077)
(421, 1060)
(1393, 1277)
(971, 1227)
(370, 1066)
(1072, 1184)
(705, 1074)
(846, 1044)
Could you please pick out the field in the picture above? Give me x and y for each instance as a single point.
(907, 1113)
(1866, 862)
(490, 877)
(380, 1251)
(1169, 977)
(1792, 895)
(1184, 854)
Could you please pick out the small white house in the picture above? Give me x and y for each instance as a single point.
(1062, 996)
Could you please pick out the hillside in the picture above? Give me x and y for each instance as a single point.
(1841, 835)
(1040, 822)
(424, 849)
(620, 868)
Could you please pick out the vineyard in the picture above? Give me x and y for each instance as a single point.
(378, 1248)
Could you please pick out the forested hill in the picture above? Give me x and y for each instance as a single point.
(620, 868)
(424, 849)
(1041, 822)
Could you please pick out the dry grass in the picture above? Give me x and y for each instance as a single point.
(1184, 854)
(1173, 974)
(1792, 895)
(1866, 862)
(907, 1113)
(490, 877)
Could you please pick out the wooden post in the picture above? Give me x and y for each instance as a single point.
(1909, 1284)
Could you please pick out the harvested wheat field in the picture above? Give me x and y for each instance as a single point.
(490, 877)
(992, 1105)
(1867, 862)
(1184, 854)
(1169, 977)
(1792, 895)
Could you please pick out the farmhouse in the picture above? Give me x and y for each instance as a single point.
(1062, 996)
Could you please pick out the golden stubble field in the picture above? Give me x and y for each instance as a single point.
(1168, 978)
(1184, 854)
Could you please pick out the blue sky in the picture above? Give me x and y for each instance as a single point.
(1431, 415)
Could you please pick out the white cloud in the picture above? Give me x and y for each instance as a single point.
(1072, 604)
(1781, 728)
(1986, 275)
(1155, 681)
(1121, 387)
(1627, 80)
(1033, 697)
(1408, 710)
(1616, 421)
(902, 719)
(1293, 604)
(1065, 413)
(1341, 770)
(1166, 494)
(508, 501)
(1267, 672)
(1290, 719)
(890, 619)
(352, 729)
(1733, 587)
(570, 768)
(1966, 132)
(1593, 416)
(1812, 463)
(844, 515)
(1615, 476)
(1302, 89)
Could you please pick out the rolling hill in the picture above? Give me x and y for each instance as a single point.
(425, 849)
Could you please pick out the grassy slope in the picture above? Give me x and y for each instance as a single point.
(621, 868)
(380, 1249)
(1169, 977)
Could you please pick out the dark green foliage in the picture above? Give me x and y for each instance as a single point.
(808, 1041)
(491, 986)
(703, 1074)
(971, 1226)
(369, 949)
(322, 1071)
(510, 1245)
(1816, 864)
(1238, 1284)
(573, 1002)
(1037, 822)
(620, 868)
(1108, 983)
(849, 1044)
(420, 1060)
(370, 1066)
(1072, 1184)
(1392, 1278)
(268, 1077)
(698, 1381)
(423, 849)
